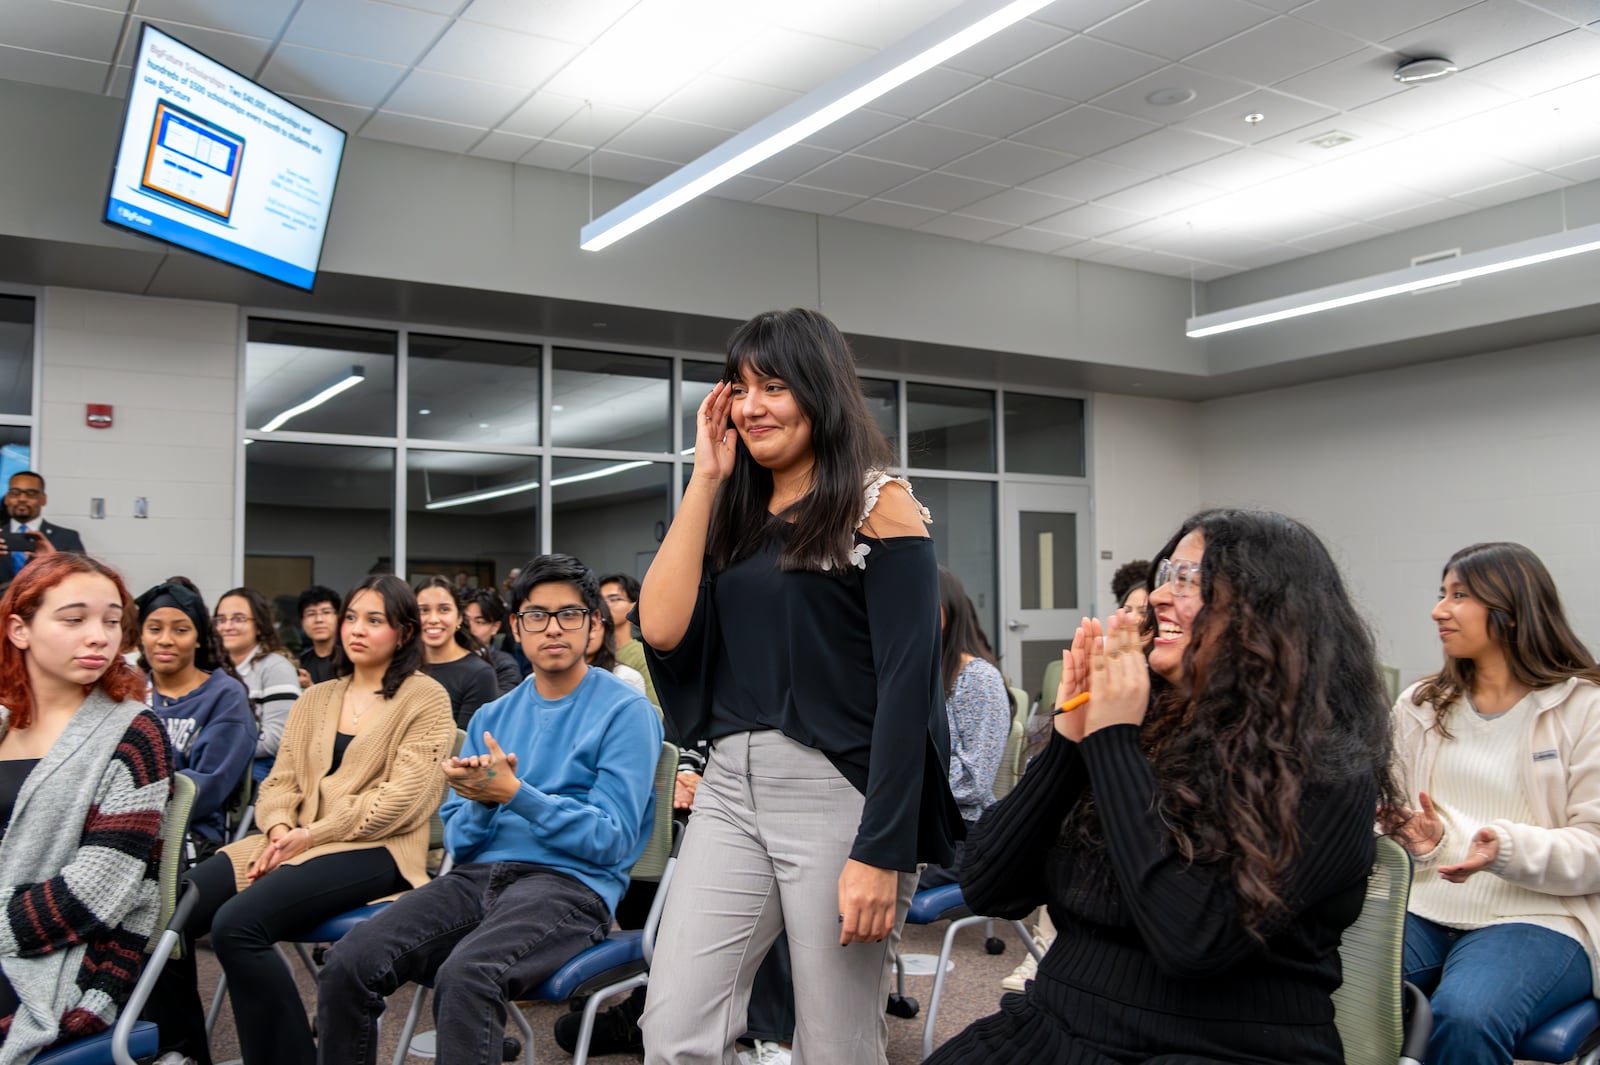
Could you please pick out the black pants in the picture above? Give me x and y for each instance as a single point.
(244, 926)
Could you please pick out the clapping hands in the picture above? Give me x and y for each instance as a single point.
(489, 777)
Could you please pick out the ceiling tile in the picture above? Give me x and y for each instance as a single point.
(791, 60)
(793, 161)
(1581, 12)
(1145, 232)
(727, 102)
(461, 100)
(1298, 143)
(341, 78)
(578, 21)
(1420, 169)
(473, 50)
(1012, 45)
(57, 71)
(1478, 33)
(620, 167)
(1089, 179)
(594, 124)
(1340, 236)
(541, 115)
(1240, 169)
(1009, 163)
(421, 132)
(63, 29)
(885, 213)
(344, 116)
(1081, 14)
(1026, 238)
(997, 109)
(1274, 50)
(1424, 106)
(1582, 170)
(503, 147)
(922, 145)
(963, 228)
(1166, 150)
(943, 192)
(1549, 64)
(803, 198)
(257, 18)
(1176, 28)
(876, 25)
(1017, 206)
(1424, 213)
(1159, 197)
(1083, 68)
(860, 176)
(1280, 114)
(1349, 81)
(1221, 247)
(365, 28)
(1089, 220)
(554, 155)
(1210, 90)
(1377, 20)
(925, 92)
(853, 130)
(745, 187)
(1085, 130)
(244, 54)
(1518, 188)
(667, 138)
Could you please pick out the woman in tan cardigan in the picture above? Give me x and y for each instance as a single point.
(343, 819)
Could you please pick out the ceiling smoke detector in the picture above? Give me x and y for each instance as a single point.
(1170, 97)
(1430, 68)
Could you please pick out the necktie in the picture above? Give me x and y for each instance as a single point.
(19, 558)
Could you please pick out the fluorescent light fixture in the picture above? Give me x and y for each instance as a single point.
(1429, 275)
(527, 486)
(942, 38)
(344, 383)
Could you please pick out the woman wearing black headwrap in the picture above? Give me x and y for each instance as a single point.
(201, 701)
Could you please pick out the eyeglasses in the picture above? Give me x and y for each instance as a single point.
(31, 493)
(569, 618)
(1182, 573)
(233, 620)
(326, 612)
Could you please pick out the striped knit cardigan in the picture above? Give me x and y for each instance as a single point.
(80, 906)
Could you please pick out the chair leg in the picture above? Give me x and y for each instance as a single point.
(525, 1028)
(306, 960)
(938, 979)
(410, 1027)
(1028, 940)
(216, 1003)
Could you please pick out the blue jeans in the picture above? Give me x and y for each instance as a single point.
(1490, 986)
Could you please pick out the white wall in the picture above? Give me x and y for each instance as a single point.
(1146, 467)
(1397, 470)
(169, 368)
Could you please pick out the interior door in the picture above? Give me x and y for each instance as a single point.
(1049, 577)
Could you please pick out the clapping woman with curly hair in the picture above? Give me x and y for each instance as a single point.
(1201, 838)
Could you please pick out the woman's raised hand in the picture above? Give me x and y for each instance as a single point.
(1075, 679)
(1419, 830)
(713, 438)
(1119, 677)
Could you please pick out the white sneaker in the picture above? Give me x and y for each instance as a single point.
(1026, 970)
(172, 1057)
(764, 1053)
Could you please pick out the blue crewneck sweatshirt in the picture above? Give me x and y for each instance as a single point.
(213, 735)
(587, 764)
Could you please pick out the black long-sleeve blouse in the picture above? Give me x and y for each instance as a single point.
(845, 663)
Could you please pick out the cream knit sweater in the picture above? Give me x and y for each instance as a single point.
(386, 787)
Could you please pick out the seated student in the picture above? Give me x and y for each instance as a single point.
(620, 592)
(553, 801)
(451, 654)
(344, 820)
(318, 608)
(201, 701)
(600, 656)
(485, 613)
(84, 778)
(1504, 921)
(244, 621)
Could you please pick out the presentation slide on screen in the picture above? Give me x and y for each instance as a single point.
(211, 161)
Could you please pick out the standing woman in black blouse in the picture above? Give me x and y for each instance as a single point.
(1201, 850)
(792, 617)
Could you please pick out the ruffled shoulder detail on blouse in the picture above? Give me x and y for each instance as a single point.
(875, 480)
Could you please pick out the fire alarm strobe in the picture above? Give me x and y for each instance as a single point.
(99, 416)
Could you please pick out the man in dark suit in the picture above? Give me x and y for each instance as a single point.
(25, 502)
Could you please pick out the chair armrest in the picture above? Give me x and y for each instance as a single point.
(1415, 1048)
(129, 1016)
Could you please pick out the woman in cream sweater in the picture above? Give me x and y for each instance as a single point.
(343, 819)
(1502, 750)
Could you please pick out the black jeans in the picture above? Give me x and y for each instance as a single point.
(244, 925)
(480, 934)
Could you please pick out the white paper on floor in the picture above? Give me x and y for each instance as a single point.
(923, 964)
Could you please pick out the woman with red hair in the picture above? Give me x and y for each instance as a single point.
(77, 748)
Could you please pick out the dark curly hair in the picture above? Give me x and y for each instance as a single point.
(1279, 693)
(1130, 575)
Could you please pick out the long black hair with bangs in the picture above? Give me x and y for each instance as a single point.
(805, 351)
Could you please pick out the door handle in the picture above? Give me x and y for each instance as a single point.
(1014, 625)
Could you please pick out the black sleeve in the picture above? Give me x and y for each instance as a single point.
(1188, 914)
(1003, 870)
(506, 673)
(901, 586)
(478, 686)
(682, 676)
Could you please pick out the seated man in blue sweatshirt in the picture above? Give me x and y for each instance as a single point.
(552, 803)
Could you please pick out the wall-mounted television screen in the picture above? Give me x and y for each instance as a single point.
(212, 162)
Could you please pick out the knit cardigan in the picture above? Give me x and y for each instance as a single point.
(386, 787)
(80, 906)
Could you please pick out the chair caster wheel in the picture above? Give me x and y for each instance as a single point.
(994, 945)
(510, 1049)
(902, 1006)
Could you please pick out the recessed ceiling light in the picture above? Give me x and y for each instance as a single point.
(1331, 139)
(1170, 97)
(1428, 68)
(483, 425)
(424, 410)
(557, 407)
(1255, 118)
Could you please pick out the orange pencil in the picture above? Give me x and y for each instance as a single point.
(1073, 703)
